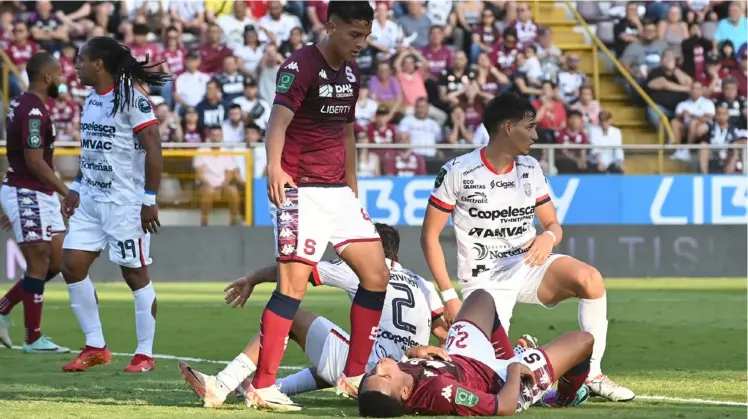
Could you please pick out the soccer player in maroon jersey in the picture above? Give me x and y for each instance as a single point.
(465, 379)
(312, 182)
(29, 201)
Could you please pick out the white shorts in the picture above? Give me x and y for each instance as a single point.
(313, 217)
(35, 216)
(94, 225)
(513, 282)
(327, 349)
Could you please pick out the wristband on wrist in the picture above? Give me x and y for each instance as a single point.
(449, 294)
(550, 233)
(149, 198)
(76, 186)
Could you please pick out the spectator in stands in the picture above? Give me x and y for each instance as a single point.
(570, 80)
(548, 54)
(213, 51)
(668, 86)
(277, 25)
(368, 160)
(741, 75)
(692, 119)
(734, 28)
(695, 49)
(6, 28)
(489, 78)
(294, 43)
(316, 14)
(210, 110)
(233, 126)
(174, 52)
(385, 88)
(529, 77)
(253, 137)
(215, 176)
(673, 30)
(628, 29)
(65, 115)
(381, 131)
(143, 50)
(20, 51)
(527, 30)
(572, 160)
(473, 101)
(403, 161)
(412, 84)
(75, 15)
(255, 110)
(366, 107)
(386, 35)
(736, 105)
(720, 132)
(46, 28)
(152, 13)
(231, 81)
(440, 13)
(438, 57)
(188, 16)
(251, 52)
(588, 106)
(190, 86)
(606, 160)
(643, 56)
(416, 25)
(468, 14)
(457, 131)
(712, 79)
(551, 113)
(215, 9)
(505, 53)
(734, 162)
(424, 132)
(485, 35)
(168, 125)
(190, 130)
(267, 70)
(232, 25)
(453, 79)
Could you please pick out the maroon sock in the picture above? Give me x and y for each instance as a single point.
(569, 383)
(11, 298)
(502, 347)
(366, 312)
(33, 300)
(275, 324)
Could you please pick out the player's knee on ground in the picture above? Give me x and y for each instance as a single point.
(589, 283)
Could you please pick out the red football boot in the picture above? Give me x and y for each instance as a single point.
(141, 363)
(89, 357)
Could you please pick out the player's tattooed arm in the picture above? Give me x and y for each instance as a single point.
(350, 158)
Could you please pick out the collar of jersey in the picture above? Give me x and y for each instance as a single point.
(105, 92)
(490, 166)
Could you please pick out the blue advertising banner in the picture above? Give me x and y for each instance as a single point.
(579, 200)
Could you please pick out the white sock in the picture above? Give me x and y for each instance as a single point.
(86, 309)
(593, 318)
(237, 370)
(301, 382)
(145, 323)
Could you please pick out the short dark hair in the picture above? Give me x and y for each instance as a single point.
(254, 126)
(390, 240)
(140, 29)
(213, 128)
(548, 81)
(38, 62)
(235, 106)
(575, 112)
(349, 11)
(215, 82)
(510, 31)
(374, 404)
(508, 106)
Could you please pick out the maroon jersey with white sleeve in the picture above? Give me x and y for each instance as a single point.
(28, 126)
(323, 101)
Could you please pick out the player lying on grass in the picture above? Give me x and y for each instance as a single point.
(469, 381)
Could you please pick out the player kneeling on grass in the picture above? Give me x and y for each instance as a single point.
(468, 381)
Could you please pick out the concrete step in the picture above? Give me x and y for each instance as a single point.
(628, 113)
(637, 135)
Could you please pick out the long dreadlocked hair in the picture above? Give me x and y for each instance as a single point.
(125, 69)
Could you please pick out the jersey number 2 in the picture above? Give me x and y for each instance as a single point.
(398, 304)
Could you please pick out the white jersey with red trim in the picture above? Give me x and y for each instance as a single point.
(112, 161)
(493, 213)
(410, 306)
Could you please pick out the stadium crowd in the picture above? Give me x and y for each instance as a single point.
(429, 71)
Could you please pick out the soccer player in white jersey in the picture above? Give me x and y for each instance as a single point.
(493, 195)
(113, 199)
(412, 312)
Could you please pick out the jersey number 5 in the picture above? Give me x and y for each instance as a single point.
(398, 304)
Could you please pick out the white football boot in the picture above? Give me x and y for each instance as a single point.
(206, 387)
(604, 387)
(348, 387)
(270, 398)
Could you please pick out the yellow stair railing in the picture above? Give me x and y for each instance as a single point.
(8, 68)
(598, 45)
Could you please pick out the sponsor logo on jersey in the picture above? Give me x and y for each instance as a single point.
(498, 233)
(525, 176)
(510, 212)
(94, 102)
(96, 184)
(467, 172)
(292, 66)
(325, 90)
(98, 130)
(525, 165)
(335, 109)
(35, 112)
(144, 105)
(90, 144)
(285, 80)
(470, 184)
(440, 178)
(406, 341)
(323, 75)
(343, 90)
(475, 198)
(483, 252)
(528, 189)
(447, 392)
(500, 184)
(92, 165)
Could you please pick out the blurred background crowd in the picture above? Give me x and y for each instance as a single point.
(429, 70)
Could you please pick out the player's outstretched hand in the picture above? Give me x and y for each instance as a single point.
(427, 352)
(451, 308)
(539, 248)
(5, 222)
(70, 203)
(278, 180)
(149, 219)
(238, 292)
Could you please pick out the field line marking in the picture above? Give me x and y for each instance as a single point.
(299, 368)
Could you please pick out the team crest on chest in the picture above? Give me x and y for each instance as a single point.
(528, 190)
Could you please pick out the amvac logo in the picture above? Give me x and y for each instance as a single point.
(501, 213)
(500, 233)
(96, 144)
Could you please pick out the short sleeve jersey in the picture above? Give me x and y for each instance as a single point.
(411, 304)
(493, 213)
(28, 126)
(323, 101)
(112, 160)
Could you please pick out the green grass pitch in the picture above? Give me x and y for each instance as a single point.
(683, 339)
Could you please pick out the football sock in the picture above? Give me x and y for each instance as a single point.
(502, 347)
(366, 312)
(11, 298)
(593, 318)
(275, 324)
(237, 370)
(33, 300)
(145, 320)
(301, 382)
(570, 382)
(86, 309)
(51, 275)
